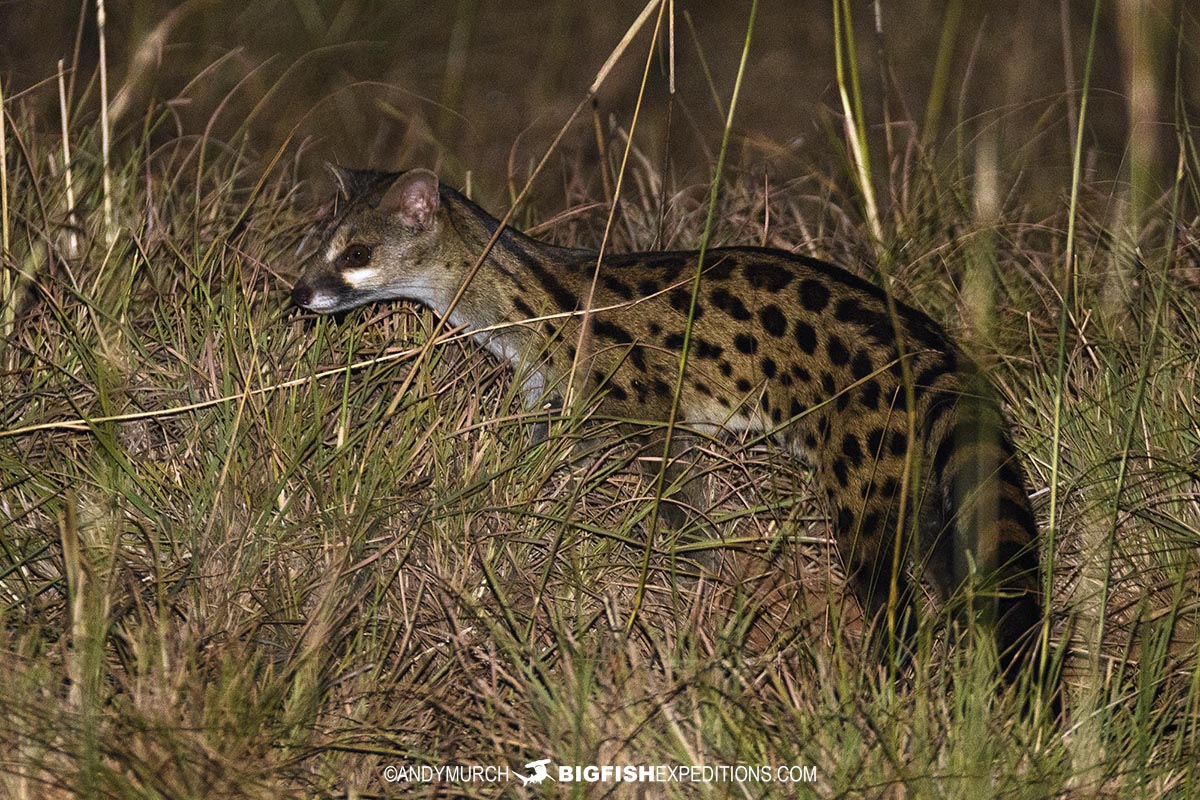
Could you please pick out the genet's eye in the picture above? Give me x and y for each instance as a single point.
(355, 256)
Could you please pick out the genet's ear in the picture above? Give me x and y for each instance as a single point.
(413, 198)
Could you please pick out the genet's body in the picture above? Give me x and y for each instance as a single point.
(779, 343)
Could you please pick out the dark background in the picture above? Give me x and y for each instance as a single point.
(482, 86)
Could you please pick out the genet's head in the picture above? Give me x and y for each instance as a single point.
(376, 245)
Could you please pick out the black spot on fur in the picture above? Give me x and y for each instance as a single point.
(701, 347)
(706, 349)
(671, 262)
(852, 448)
(617, 287)
(773, 321)
(563, 298)
(927, 332)
(731, 305)
(743, 385)
(814, 295)
(869, 397)
(720, 269)
(876, 325)
(681, 300)
(637, 355)
(861, 366)
(669, 265)
(806, 337)
(848, 310)
(745, 343)
(611, 331)
(768, 367)
(765, 276)
(837, 351)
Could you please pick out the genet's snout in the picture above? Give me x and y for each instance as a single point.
(301, 295)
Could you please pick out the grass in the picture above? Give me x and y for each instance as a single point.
(237, 561)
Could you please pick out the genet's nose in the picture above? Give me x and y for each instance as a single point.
(301, 295)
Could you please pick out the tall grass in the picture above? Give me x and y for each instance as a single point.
(249, 553)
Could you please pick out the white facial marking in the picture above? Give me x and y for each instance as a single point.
(321, 301)
(336, 245)
(357, 277)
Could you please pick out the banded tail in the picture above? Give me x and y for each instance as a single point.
(984, 511)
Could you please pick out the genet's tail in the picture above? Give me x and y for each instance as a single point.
(988, 524)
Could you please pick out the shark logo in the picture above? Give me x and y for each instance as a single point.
(539, 772)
